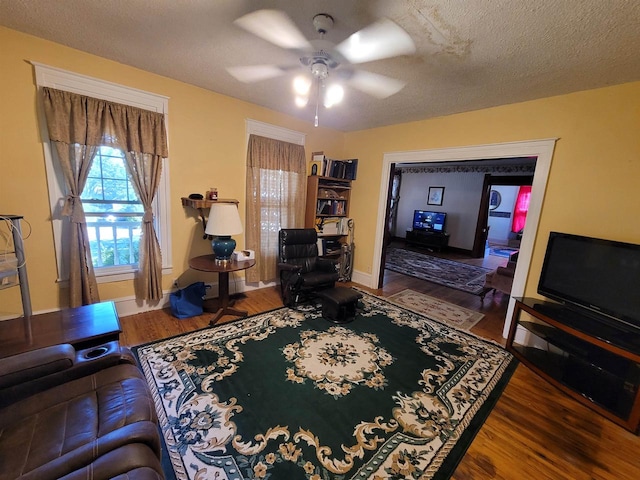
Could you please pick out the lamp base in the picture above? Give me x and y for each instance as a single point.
(223, 247)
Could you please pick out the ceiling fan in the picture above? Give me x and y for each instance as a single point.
(324, 60)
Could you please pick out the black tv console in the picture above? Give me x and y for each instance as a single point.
(591, 361)
(437, 240)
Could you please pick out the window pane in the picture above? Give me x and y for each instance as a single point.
(113, 211)
(113, 167)
(93, 189)
(115, 189)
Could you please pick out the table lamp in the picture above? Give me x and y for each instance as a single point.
(223, 221)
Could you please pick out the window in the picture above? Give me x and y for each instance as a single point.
(111, 206)
(113, 211)
(275, 192)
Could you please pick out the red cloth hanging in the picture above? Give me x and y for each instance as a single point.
(521, 208)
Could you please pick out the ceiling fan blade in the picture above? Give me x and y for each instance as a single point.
(374, 84)
(255, 73)
(274, 26)
(379, 40)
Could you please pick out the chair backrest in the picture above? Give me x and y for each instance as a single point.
(298, 246)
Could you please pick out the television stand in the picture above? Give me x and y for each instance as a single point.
(437, 240)
(591, 364)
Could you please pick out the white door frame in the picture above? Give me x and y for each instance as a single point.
(542, 149)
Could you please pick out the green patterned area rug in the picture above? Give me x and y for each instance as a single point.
(449, 273)
(288, 395)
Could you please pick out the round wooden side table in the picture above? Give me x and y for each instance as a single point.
(207, 263)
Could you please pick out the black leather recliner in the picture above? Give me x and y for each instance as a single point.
(302, 271)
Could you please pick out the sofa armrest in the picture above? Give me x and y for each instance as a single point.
(71, 364)
(35, 364)
(506, 271)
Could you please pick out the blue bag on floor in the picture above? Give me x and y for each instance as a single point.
(187, 302)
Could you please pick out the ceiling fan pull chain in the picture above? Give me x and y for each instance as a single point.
(315, 123)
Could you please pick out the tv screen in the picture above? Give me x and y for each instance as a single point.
(429, 221)
(602, 276)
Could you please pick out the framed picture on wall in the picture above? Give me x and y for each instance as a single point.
(494, 199)
(436, 194)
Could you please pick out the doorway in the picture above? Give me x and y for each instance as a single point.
(542, 150)
(492, 203)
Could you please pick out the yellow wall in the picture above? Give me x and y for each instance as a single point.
(593, 186)
(206, 147)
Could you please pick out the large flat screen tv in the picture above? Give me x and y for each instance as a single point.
(598, 276)
(429, 221)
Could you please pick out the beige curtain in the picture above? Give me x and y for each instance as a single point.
(275, 199)
(77, 126)
(145, 170)
(76, 162)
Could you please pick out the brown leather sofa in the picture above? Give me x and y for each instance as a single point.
(77, 415)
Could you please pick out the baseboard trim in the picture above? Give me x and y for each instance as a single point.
(363, 279)
(126, 306)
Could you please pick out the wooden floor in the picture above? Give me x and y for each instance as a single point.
(534, 432)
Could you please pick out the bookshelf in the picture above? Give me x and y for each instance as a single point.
(327, 211)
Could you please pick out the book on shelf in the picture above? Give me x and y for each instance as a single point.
(331, 207)
(343, 169)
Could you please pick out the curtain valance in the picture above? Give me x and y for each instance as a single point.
(270, 154)
(77, 119)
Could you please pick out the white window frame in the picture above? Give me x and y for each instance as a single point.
(47, 76)
(255, 127)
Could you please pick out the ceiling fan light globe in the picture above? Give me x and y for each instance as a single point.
(301, 85)
(301, 101)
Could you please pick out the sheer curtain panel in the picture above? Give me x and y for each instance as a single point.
(77, 126)
(521, 208)
(275, 199)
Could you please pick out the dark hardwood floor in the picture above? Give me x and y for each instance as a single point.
(534, 432)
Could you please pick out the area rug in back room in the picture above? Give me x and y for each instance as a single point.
(288, 395)
(449, 273)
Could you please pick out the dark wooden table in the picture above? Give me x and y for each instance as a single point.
(207, 263)
(82, 327)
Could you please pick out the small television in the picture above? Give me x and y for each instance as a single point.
(596, 276)
(429, 221)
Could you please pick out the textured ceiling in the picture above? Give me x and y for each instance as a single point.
(469, 54)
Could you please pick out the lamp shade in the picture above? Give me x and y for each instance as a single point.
(224, 220)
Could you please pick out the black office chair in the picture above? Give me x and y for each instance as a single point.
(302, 271)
